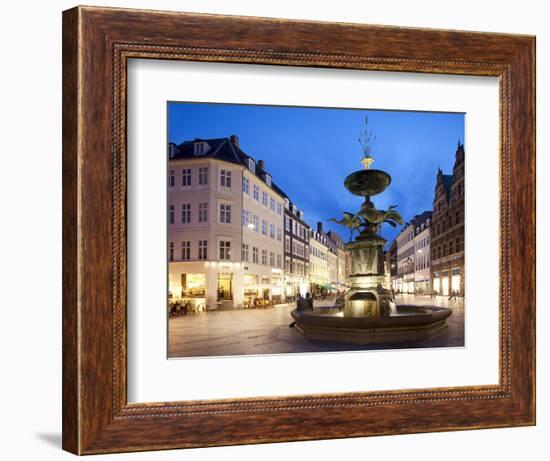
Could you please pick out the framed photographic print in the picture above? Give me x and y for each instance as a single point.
(284, 230)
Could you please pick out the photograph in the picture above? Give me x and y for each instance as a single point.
(313, 229)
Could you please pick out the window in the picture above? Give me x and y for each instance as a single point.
(225, 249)
(255, 192)
(246, 215)
(171, 251)
(288, 223)
(245, 252)
(272, 259)
(457, 218)
(225, 213)
(251, 165)
(186, 213)
(264, 257)
(279, 208)
(203, 176)
(264, 227)
(172, 213)
(172, 178)
(279, 233)
(279, 261)
(200, 148)
(272, 231)
(203, 212)
(272, 204)
(268, 180)
(186, 177)
(451, 247)
(203, 249)
(264, 199)
(255, 255)
(225, 178)
(246, 185)
(185, 250)
(287, 243)
(256, 222)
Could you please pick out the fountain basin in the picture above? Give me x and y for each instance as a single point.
(408, 323)
(367, 182)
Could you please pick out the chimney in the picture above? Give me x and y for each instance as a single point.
(234, 140)
(319, 227)
(261, 164)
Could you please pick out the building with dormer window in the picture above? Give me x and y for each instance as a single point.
(219, 255)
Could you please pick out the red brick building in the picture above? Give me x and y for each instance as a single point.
(447, 228)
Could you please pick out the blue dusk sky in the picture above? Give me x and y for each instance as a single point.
(309, 151)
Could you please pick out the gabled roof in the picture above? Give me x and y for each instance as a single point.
(221, 149)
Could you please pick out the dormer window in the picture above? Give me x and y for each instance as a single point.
(268, 179)
(252, 165)
(200, 148)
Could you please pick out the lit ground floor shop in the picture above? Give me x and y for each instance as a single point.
(422, 286)
(201, 286)
(448, 282)
(404, 285)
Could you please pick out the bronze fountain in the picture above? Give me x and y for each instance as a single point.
(369, 314)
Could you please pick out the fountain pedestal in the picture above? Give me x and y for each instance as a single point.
(368, 296)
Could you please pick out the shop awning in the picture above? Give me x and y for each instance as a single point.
(328, 286)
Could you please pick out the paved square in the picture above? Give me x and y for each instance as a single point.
(266, 331)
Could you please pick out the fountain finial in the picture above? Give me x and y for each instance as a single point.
(366, 140)
(367, 162)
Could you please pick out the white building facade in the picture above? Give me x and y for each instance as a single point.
(225, 221)
(405, 260)
(341, 256)
(422, 257)
(413, 256)
(318, 262)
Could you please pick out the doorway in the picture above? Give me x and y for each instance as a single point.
(225, 287)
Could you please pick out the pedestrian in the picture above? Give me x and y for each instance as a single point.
(309, 301)
(301, 306)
